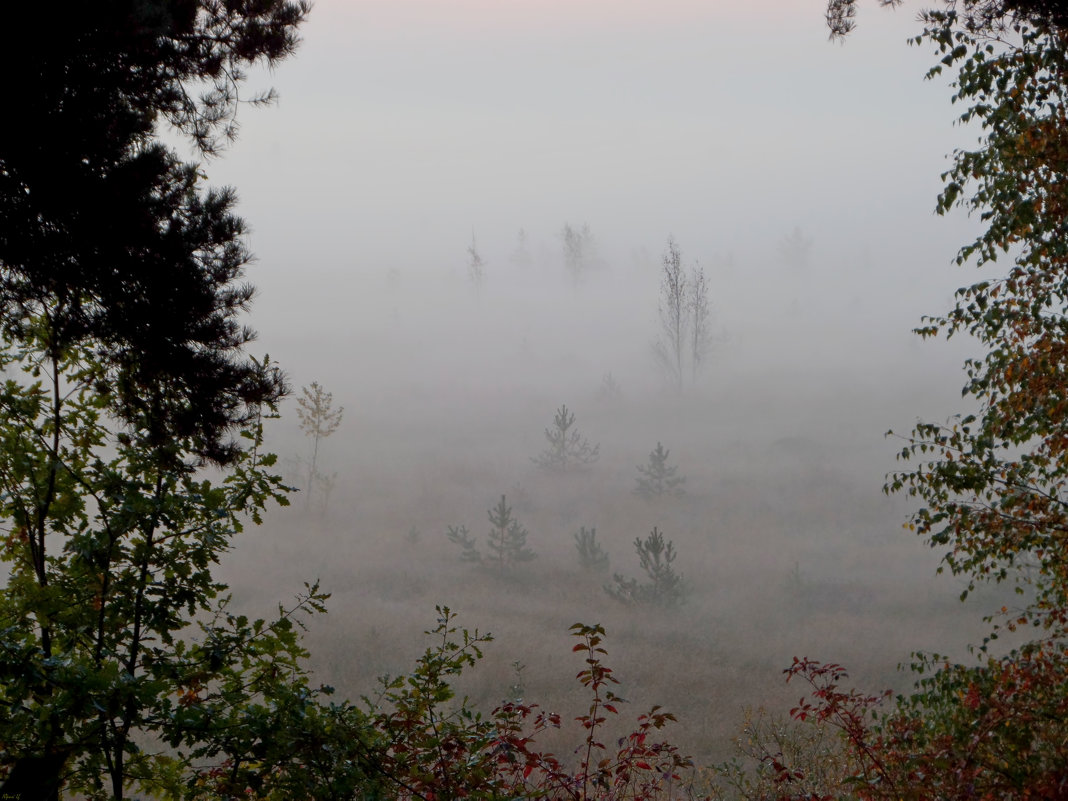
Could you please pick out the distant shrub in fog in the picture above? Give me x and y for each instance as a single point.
(609, 389)
(592, 556)
(579, 250)
(771, 755)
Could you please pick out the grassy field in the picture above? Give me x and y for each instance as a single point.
(785, 541)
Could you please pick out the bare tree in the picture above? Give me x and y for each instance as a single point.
(521, 254)
(476, 271)
(671, 344)
(700, 320)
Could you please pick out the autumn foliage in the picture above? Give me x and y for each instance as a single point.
(431, 747)
(990, 484)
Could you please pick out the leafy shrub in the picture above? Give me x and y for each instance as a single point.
(996, 730)
(783, 759)
(430, 747)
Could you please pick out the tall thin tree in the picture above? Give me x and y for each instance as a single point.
(521, 254)
(123, 345)
(318, 419)
(700, 310)
(476, 266)
(671, 345)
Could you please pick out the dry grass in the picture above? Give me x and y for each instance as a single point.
(785, 542)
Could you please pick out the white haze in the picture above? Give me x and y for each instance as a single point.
(405, 127)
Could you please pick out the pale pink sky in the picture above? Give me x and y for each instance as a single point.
(565, 14)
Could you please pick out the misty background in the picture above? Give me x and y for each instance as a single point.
(800, 175)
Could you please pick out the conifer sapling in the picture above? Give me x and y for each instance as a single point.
(592, 556)
(567, 448)
(507, 540)
(657, 477)
(665, 587)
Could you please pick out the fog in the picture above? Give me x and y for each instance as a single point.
(408, 129)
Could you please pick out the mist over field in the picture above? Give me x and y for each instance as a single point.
(799, 175)
(574, 399)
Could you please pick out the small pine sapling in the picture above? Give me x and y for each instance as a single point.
(592, 556)
(567, 447)
(657, 477)
(578, 249)
(459, 535)
(507, 541)
(665, 587)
